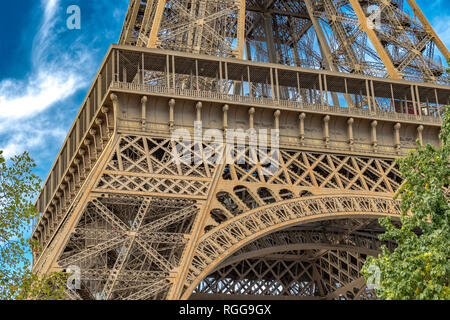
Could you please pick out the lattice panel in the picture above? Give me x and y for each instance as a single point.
(147, 165)
(320, 170)
(199, 26)
(325, 34)
(286, 32)
(256, 222)
(140, 224)
(127, 247)
(149, 184)
(305, 238)
(299, 174)
(139, 154)
(302, 274)
(265, 276)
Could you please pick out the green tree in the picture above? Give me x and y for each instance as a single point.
(18, 186)
(419, 266)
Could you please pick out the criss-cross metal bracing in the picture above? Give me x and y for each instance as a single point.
(295, 219)
(365, 37)
(298, 263)
(131, 237)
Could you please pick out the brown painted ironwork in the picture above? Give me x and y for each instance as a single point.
(140, 225)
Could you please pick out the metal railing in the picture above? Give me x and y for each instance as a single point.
(125, 68)
(202, 94)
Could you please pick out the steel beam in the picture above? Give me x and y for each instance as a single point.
(364, 25)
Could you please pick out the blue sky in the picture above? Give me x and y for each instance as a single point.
(46, 69)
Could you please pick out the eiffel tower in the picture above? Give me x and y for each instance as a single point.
(346, 87)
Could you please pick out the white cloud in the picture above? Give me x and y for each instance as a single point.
(30, 136)
(441, 24)
(53, 77)
(36, 110)
(35, 94)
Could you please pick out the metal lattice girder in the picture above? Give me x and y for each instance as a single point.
(140, 225)
(112, 272)
(299, 173)
(103, 236)
(109, 216)
(143, 210)
(97, 234)
(72, 295)
(257, 222)
(357, 284)
(101, 247)
(289, 273)
(125, 249)
(159, 260)
(162, 237)
(196, 26)
(275, 31)
(129, 276)
(427, 26)
(149, 291)
(169, 219)
(290, 240)
(392, 71)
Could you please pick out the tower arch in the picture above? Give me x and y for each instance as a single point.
(222, 242)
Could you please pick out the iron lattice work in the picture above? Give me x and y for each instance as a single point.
(373, 37)
(140, 225)
(299, 263)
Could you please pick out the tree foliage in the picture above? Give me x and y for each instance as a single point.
(18, 186)
(419, 266)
